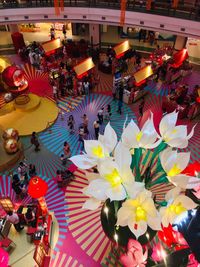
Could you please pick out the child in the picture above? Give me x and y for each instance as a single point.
(81, 135)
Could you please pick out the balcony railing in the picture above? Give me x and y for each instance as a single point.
(187, 9)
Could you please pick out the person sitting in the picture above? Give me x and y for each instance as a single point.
(14, 219)
(30, 218)
(16, 186)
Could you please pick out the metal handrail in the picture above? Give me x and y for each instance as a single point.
(186, 9)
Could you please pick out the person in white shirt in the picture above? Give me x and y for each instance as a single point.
(14, 219)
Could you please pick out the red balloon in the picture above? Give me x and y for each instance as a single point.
(37, 187)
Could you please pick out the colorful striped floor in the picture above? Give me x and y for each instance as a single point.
(82, 242)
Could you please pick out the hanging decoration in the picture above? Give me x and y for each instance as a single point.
(37, 188)
(123, 12)
(59, 6)
(148, 4)
(175, 3)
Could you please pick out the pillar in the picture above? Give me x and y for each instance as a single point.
(13, 28)
(125, 28)
(94, 34)
(180, 42)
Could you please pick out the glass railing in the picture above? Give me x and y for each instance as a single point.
(186, 9)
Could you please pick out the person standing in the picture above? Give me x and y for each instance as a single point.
(86, 87)
(52, 33)
(64, 31)
(120, 101)
(85, 123)
(96, 128)
(55, 92)
(32, 170)
(71, 123)
(66, 150)
(35, 142)
(100, 115)
(22, 171)
(14, 219)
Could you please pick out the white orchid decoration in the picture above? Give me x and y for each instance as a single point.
(127, 173)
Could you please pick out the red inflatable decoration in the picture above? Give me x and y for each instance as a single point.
(37, 187)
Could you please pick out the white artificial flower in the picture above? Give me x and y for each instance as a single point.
(147, 137)
(139, 213)
(96, 150)
(174, 136)
(177, 204)
(173, 164)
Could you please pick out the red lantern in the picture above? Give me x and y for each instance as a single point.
(37, 187)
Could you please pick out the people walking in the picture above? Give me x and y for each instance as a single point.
(96, 126)
(35, 142)
(85, 124)
(71, 123)
(100, 115)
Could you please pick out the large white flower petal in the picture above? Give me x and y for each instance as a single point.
(110, 138)
(149, 134)
(123, 215)
(173, 193)
(134, 188)
(83, 161)
(122, 156)
(178, 142)
(149, 207)
(137, 228)
(164, 216)
(168, 122)
(168, 158)
(154, 222)
(97, 189)
(116, 193)
(129, 135)
(191, 133)
(91, 204)
(183, 160)
(185, 201)
(179, 131)
(144, 195)
(152, 145)
(184, 181)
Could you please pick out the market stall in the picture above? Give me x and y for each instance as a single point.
(83, 67)
(50, 47)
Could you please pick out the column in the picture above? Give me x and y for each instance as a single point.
(180, 42)
(94, 34)
(13, 28)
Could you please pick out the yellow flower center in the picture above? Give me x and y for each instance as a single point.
(98, 151)
(174, 131)
(139, 136)
(140, 214)
(177, 209)
(114, 178)
(174, 170)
